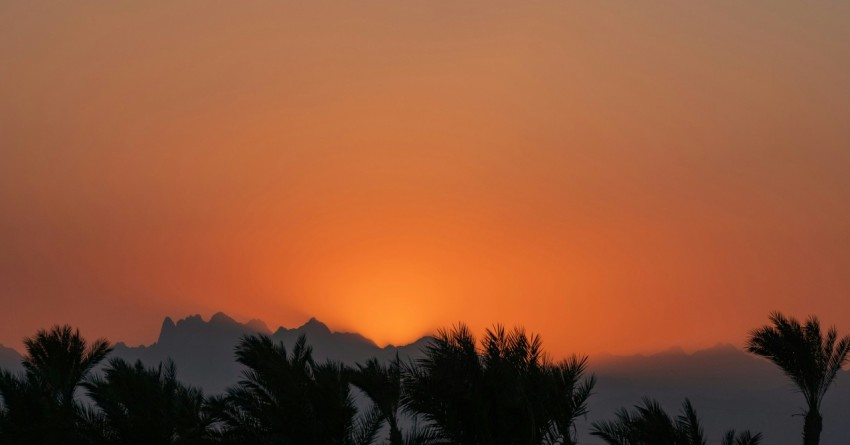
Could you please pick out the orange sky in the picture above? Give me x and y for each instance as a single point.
(618, 177)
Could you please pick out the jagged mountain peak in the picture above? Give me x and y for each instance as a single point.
(204, 350)
(222, 324)
(191, 320)
(222, 318)
(167, 329)
(315, 327)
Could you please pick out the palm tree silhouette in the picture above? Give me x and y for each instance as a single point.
(139, 405)
(743, 438)
(507, 392)
(24, 411)
(810, 359)
(569, 394)
(58, 360)
(287, 398)
(650, 424)
(41, 405)
(383, 385)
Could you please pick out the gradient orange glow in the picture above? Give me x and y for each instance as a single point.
(617, 177)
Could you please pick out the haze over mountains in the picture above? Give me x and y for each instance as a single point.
(729, 388)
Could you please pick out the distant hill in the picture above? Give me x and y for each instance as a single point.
(203, 350)
(10, 359)
(729, 388)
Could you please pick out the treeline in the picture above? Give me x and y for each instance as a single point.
(502, 389)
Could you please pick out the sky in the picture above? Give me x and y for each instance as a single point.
(616, 176)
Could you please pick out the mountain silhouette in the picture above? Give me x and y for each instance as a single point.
(10, 359)
(728, 387)
(203, 350)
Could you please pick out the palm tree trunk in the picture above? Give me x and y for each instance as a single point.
(396, 437)
(812, 427)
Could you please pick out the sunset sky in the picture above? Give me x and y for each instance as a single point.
(618, 176)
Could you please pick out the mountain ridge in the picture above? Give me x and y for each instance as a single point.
(729, 387)
(203, 350)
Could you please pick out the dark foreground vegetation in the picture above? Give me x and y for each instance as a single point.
(502, 389)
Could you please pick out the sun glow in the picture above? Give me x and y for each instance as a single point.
(389, 301)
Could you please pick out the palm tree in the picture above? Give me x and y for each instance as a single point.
(507, 392)
(810, 359)
(24, 411)
(139, 405)
(649, 424)
(444, 385)
(40, 404)
(568, 395)
(743, 438)
(383, 385)
(288, 398)
(58, 360)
